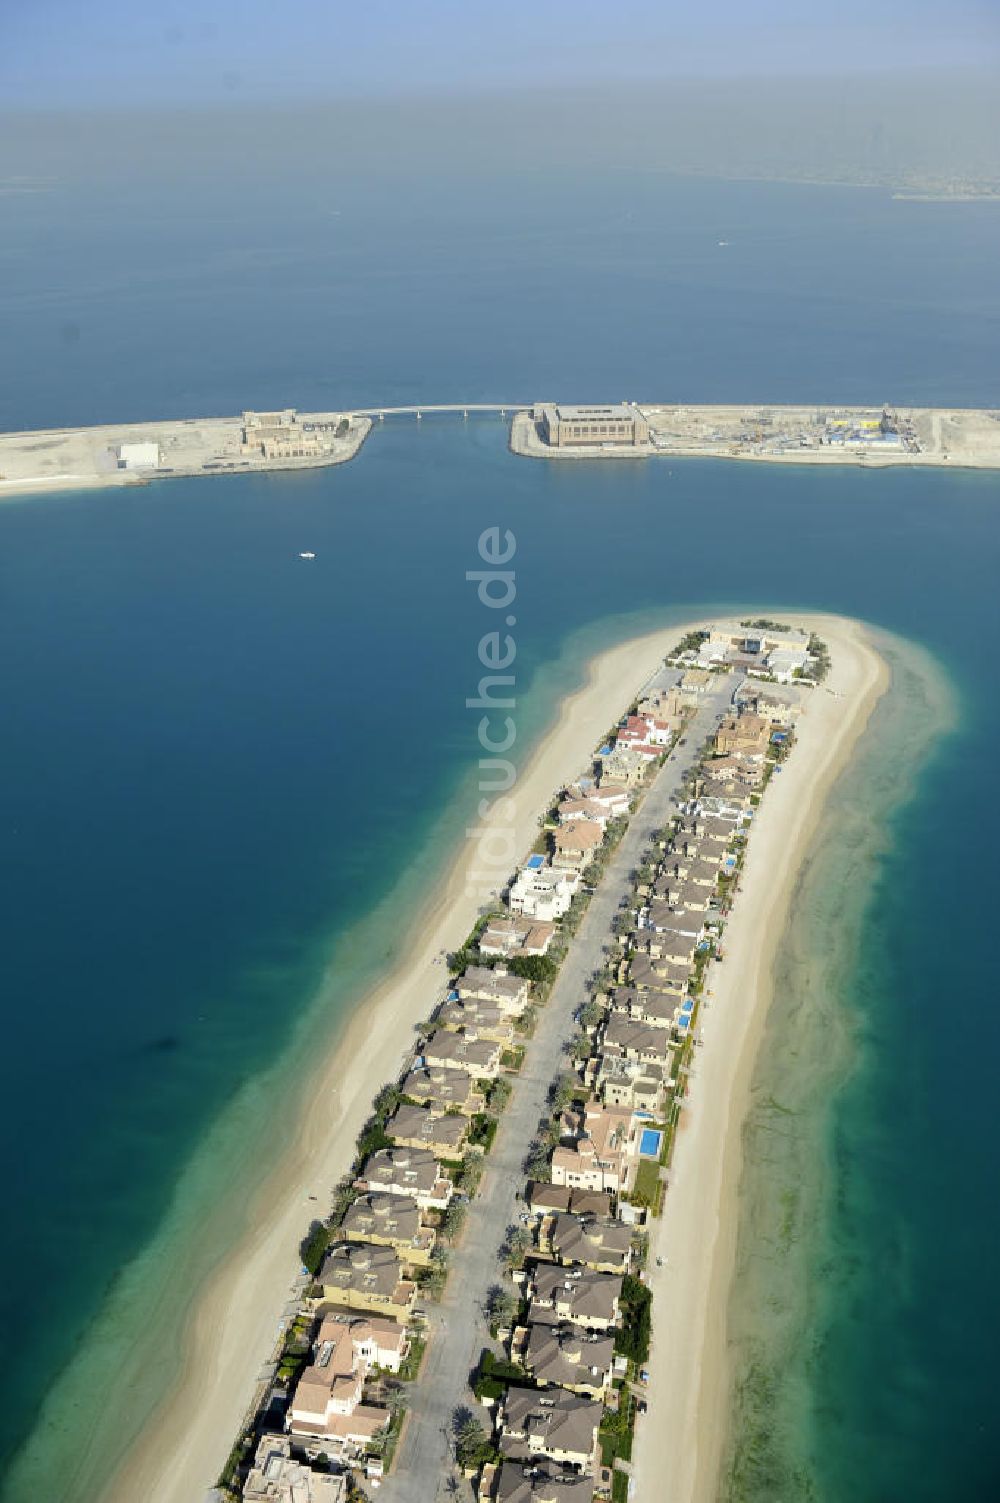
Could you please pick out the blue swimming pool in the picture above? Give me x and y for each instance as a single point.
(649, 1143)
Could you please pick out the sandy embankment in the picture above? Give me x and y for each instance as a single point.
(678, 1449)
(231, 1328)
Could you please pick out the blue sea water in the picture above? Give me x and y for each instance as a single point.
(214, 754)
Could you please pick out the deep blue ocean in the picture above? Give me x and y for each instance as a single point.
(213, 755)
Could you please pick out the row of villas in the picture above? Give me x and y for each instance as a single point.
(362, 1309)
(390, 1233)
(576, 1377)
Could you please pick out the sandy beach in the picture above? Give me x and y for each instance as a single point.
(678, 1448)
(231, 1327)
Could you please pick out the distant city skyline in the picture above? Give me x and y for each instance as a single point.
(55, 52)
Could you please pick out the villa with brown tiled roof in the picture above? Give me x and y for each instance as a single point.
(579, 1295)
(681, 893)
(593, 1241)
(661, 918)
(665, 950)
(744, 769)
(534, 1482)
(640, 1041)
(553, 1423)
(391, 1221)
(703, 872)
(582, 808)
(512, 993)
(406, 1171)
(479, 1019)
(564, 1356)
(612, 797)
(447, 1050)
(443, 1090)
(542, 1196)
(419, 1127)
(516, 936)
(576, 844)
(743, 733)
(362, 1276)
(665, 976)
(657, 1009)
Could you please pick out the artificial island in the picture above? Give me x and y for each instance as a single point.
(288, 440)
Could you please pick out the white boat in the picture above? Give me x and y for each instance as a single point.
(307, 555)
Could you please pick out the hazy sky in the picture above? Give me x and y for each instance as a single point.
(165, 51)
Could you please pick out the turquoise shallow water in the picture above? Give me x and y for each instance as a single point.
(213, 754)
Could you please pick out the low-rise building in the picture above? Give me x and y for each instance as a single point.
(139, 456)
(624, 766)
(642, 1042)
(611, 797)
(542, 1196)
(576, 845)
(391, 1221)
(592, 1241)
(327, 1413)
(658, 975)
(553, 1423)
(583, 808)
(743, 733)
(563, 1356)
(541, 892)
(695, 684)
(620, 425)
(532, 1482)
(443, 1090)
(277, 1477)
(362, 1276)
(447, 1050)
(581, 1296)
(419, 1127)
(412, 1172)
(516, 936)
(512, 993)
(656, 1009)
(479, 1020)
(600, 1157)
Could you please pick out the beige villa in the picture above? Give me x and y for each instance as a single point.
(579, 1295)
(419, 1127)
(443, 1090)
(390, 1220)
(447, 1050)
(411, 1172)
(560, 1425)
(562, 1356)
(363, 1276)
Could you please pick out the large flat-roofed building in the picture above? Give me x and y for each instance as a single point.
(139, 456)
(621, 425)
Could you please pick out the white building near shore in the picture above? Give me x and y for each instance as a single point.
(138, 456)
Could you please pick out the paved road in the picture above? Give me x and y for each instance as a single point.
(424, 1470)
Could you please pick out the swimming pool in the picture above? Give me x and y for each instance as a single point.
(649, 1143)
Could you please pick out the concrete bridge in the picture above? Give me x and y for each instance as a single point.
(455, 408)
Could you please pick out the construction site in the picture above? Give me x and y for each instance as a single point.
(886, 435)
